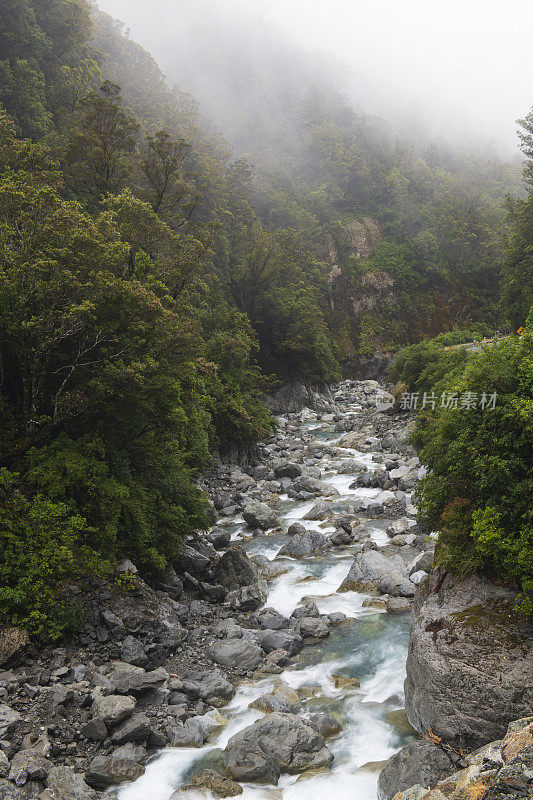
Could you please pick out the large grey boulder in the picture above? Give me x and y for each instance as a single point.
(113, 708)
(273, 570)
(237, 572)
(220, 538)
(424, 562)
(190, 734)
(399, 472)
(138, 681)
(320, 511)
(193, 561)
(303, 544)
(212, 686)
(312, 627)
(248, 598)
(325, 724)
(270, 619)
(281, 640)
(228, 629)
(354, 440)
(278, 743)
(132, 652)
(259, 515)
(314, 486)
(136, 728)
(351, 467)
(274, 703)
(373, 572)
(235, 569)
(296, 527)
(421, 762)
(237, 654)
(399, 526)
(124, 764)
(65, 784)
(340, 538)
(308, 609)
(286, 469)
(470, 666)
(27, 765)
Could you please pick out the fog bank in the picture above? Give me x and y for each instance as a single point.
(460, 69)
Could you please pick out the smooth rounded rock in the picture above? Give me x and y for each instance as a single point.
(236, 654)
(278, 743)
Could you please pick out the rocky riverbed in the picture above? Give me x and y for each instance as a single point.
(271, 654)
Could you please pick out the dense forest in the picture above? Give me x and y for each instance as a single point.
(157, 279)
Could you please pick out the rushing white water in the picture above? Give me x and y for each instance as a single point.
(370, 646)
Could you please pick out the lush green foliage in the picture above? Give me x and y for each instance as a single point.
(83, 347)
(479, 489)
(423, 366)
(43, 546)
(111, 397)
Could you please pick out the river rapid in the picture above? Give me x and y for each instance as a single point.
(371, 645)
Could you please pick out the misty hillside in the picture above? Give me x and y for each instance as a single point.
(320, 166)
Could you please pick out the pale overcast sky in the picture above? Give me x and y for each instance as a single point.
(467, 63)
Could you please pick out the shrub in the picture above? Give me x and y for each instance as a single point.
(479, 489)
(42, 549)
(424, 365)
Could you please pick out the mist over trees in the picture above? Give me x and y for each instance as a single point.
(434, 70)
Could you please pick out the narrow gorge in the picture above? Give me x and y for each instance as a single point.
(274, 651)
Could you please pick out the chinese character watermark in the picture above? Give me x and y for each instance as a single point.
(467, 401)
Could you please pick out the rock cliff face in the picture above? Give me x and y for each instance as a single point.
(376, 289)
(369, 293)
(359, 240)
(470, 666)
(378, 309)
(293, 397)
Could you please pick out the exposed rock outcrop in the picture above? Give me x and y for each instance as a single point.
(292, 397)
(500, 770)
(470, 667)
(13, 644)
(259, 515)
(211, 781)
(421, 762)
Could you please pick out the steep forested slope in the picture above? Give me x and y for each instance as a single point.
(437, 223)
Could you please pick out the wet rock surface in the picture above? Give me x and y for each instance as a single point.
(376, 572)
